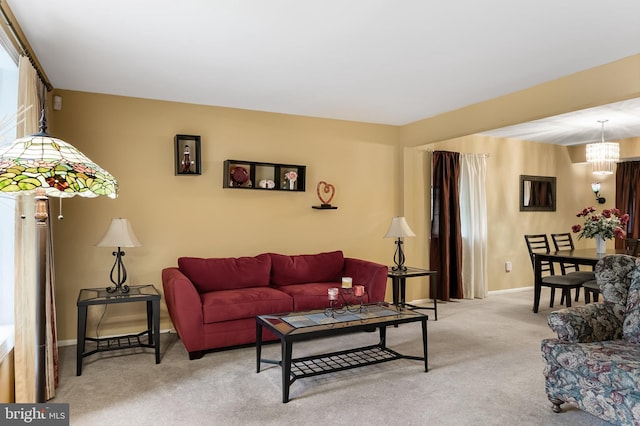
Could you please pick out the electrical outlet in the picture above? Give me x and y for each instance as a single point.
(508, 266)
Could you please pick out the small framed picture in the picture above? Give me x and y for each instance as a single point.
(187, 155)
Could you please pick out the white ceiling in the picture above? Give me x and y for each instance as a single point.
(377, 61)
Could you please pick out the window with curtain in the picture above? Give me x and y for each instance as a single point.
(8, 109)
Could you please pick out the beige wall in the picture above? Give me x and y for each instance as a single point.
(176, 216)
(379, 171)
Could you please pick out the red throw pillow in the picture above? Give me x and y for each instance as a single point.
(226, 273)
(306, 268)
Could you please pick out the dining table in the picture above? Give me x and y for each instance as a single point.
(587, 257)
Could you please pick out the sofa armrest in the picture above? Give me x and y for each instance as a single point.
(373, 276)
(589, 323)
(184, 306)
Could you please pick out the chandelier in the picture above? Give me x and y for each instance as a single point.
(603, 155)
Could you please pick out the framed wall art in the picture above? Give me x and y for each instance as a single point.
(187, 155)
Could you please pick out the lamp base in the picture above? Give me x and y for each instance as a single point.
(122, 288)
(118, 281)
(398, 257)
(399, 268)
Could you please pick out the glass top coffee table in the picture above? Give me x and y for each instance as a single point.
(299, 326)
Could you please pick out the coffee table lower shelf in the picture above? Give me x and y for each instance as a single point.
(339, 361)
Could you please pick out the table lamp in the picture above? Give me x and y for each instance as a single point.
(399, 228)
(119, 234)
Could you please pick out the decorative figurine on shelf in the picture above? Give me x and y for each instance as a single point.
(325, 192)
(239, 177)
(267, 184)
(186, 162)
(290, 180)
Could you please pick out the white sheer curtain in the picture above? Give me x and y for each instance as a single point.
(473, 224)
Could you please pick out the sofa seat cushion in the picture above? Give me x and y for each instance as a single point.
(315, 296)
(229, 273)
(614, 364)
(306, 268)
(227, 305)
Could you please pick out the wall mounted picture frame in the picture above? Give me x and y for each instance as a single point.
(187, 157)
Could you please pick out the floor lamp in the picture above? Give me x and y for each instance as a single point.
(49, 167)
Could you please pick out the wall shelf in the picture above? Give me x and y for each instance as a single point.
(241, 174)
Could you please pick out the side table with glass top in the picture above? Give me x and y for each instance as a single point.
(399, 278)
(149, 338)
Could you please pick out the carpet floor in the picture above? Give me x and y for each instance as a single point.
(484, 359)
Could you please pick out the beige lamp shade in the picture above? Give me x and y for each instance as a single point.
(399, 228)
(119, 234)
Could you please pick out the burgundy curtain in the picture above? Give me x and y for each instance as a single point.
(628, 197)
(445, 252)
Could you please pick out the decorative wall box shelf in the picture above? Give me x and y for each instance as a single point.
(240, 174)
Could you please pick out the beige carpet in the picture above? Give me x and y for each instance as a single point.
(485, 369)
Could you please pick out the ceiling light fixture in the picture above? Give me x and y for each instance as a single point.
(603, 155)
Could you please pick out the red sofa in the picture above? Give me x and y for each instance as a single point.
(213, 302)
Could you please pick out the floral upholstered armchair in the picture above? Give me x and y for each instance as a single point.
(595, 361)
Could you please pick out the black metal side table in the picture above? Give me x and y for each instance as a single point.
(100, 296)
(399, 278)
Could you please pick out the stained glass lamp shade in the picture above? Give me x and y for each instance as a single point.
(42, 161)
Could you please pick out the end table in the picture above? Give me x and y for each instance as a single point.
(100, 296)
(399, 278)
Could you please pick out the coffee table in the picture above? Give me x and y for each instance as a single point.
(298, 326)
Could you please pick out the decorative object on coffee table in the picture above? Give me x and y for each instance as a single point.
(325, 192)
(399, 228)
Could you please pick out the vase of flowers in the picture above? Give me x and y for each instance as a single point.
(290, 179)
(601, 226)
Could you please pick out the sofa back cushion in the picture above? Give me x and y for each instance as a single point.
(631, 324)
(229, 273)
(306, 268)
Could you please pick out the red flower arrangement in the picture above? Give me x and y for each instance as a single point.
(608, 224)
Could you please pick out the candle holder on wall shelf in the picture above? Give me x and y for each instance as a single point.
(339, 305)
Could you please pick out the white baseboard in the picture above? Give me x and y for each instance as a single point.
(510, 290)
(491, 293)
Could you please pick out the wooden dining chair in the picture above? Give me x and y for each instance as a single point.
(540, 243)
(632, 246)
(591, 288)
(564, 241)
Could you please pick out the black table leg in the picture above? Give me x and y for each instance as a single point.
(81, 333)
(286, 369)
(395, 281)
(537, 283)
(403, 291)
(383, 336)
(155, 313)
(424, 344)
(258, 345)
